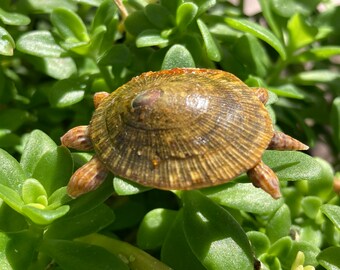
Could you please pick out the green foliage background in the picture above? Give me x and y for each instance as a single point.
(55, 54)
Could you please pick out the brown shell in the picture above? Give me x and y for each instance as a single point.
(181, 129)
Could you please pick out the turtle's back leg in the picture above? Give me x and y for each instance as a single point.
(261, 93)
(281, 141)
(87, 178)
(263, 177)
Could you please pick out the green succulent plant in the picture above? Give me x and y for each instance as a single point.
(55, 55)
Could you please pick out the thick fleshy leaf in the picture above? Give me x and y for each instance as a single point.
(151, 37)
(39, 43)
(317, 53)
(259, 241)
(267, 12)
(49, 5)
(286, 250)
(181, 257)
(271, 262)
(14, 220)
(292, 165)
(67, 92)
(44, 216)
(171, 6)
(11, 197)
(279, 224)
(177, 56)
(118, 55)
(34, 192)
(82, 47)
(69, 25)
(77, 255)
(80, 225)
(329, 258)
(331, 232)
(210, 44)
(126, 187)
(154, 227)
(316, 76)
(158, 16)
(37, 144)
(104, 14)
(259, 32)
(7, 43)
(137, 22)
(281, 247)
(185, 15)
(54, 169)
(310, 251)
(11, 18)
(57, 68)
(289, 91)
(11, 173)
(335, 121)
(245, 48)
(290, 7)
(17, 249)
(204, 5)
(300, 33)
(215, 244)
(311, 206)
(94, 3)
(333, 213)
(243, 196)
(5, 263)
(323, 186)
(310, 234)
(58, 198)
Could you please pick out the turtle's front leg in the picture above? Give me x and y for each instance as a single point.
(263, 177)
(87, 178)
(77, 138)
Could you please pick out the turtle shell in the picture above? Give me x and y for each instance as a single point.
(181, 129)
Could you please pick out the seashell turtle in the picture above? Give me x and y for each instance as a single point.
(184, 128)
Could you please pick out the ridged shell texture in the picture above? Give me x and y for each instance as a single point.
(181, 129)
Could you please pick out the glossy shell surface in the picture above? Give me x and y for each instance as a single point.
(181, 129)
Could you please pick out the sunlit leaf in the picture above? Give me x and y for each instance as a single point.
(258, 31)
(333, 213)
(69, 25)
(329, 258)
(300, 33)
(154, 227)
(151, 38)
(210, 44)
(11, 18)
(11, 173)
(7, 43)
(39, 43)
(177, 56)
(216, 245)
(37, 144)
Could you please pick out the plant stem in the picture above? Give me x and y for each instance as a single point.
(121, 8)
(134, 257)
(278, 67)
(105, 72)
